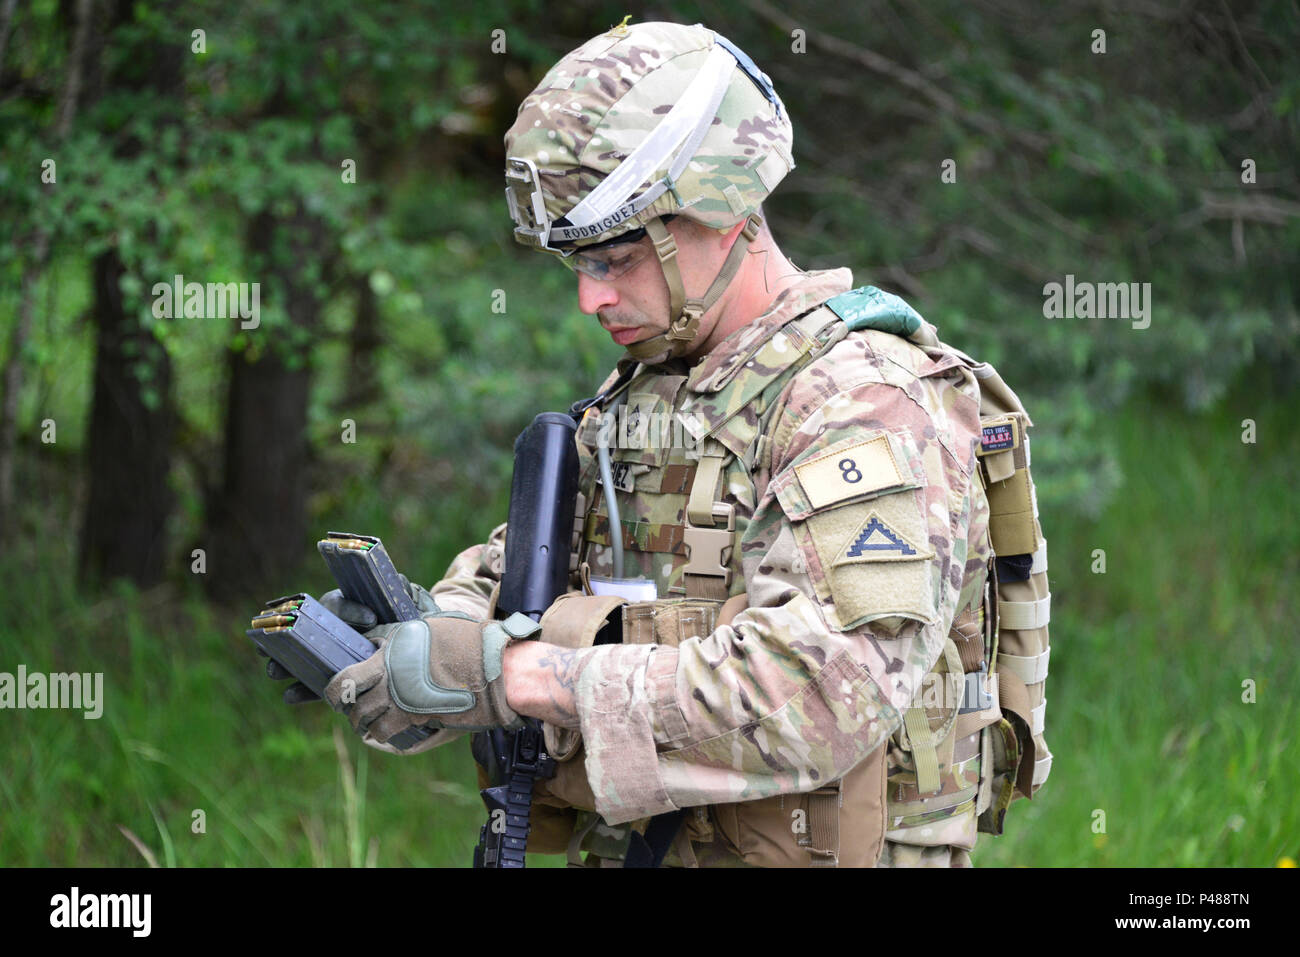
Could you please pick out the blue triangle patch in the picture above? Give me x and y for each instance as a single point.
(878, 541)
(876, 536)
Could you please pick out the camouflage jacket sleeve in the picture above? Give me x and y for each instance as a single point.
(864, 541)
(472, 576)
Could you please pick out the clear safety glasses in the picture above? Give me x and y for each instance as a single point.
(608, 262)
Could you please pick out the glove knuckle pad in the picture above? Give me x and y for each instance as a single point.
(413, 689)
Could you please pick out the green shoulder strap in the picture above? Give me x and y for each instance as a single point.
(870, 308)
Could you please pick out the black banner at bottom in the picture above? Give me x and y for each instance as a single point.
(339, 908)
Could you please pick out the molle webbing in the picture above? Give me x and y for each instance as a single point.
(706, 534)
(1002, 643)
(710, 522)
(1021, 646)
(710, 528)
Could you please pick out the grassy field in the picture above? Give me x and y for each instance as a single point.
(196, 762)
(1146, 715)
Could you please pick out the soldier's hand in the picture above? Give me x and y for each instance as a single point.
(423, 600)
(363, 618)
(296, 693)
(356, 615)
(441, 671)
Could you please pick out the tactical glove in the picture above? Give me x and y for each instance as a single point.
(359, 617)
(441, 671)
(296, 693)
(363, 618)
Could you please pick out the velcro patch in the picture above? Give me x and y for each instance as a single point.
(866, 467)
(872, 559)
(621, 473)
(879, 540)
(998, 435)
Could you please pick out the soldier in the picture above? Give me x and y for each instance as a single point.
(804, 671)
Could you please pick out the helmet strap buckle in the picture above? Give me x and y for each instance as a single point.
(685, 326)
(664, 244)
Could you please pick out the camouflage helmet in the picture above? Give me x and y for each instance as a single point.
(642, 122)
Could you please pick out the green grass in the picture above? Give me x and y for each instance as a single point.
(191, 725)
(1145, 714)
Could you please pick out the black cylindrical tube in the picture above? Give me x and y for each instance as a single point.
(543, 496)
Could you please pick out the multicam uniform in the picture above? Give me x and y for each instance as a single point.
(846, 463)
(819, 680)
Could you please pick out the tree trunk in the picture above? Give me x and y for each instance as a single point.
(129, 445)
(257, 534)
(363, 347)
(132, 418)
(13, 384)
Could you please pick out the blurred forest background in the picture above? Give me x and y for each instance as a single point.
(161, 478)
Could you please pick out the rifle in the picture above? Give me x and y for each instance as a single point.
(543, 499)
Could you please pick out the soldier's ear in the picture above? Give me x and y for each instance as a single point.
(720, 238)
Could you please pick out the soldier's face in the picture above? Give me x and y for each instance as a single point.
(627, 306)
(634, 307)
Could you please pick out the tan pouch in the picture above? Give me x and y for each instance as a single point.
(1002, 750)
(935, 798)
(569, 787)
(842, 824)
(670, 621)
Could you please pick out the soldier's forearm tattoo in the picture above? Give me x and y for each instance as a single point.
(561, 667)
(542, 681)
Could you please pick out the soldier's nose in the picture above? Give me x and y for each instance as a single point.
(594, 295)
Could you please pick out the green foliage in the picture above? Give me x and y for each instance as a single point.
(1115, 167)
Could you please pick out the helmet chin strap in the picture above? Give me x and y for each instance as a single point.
(685, 326)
